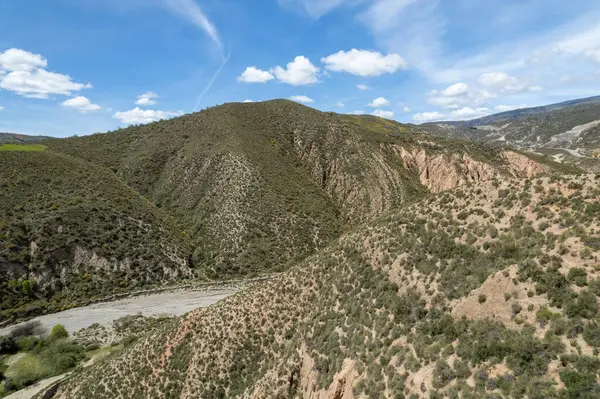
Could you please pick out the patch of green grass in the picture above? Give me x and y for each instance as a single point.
(26, 371)
(23, 147)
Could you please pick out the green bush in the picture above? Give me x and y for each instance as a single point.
(58, 332)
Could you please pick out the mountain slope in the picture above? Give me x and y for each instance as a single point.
(71, 231)
(486, 290)
(259, 185)
(13, 138)
(569, 131)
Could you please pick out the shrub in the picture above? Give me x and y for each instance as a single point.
(577, 276)
(482, 298)
(25, 329)
(8, 345)
(58, 332)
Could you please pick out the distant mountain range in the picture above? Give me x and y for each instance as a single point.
(13, 138)
(568, 131)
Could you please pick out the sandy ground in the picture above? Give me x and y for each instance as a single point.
(175, 303)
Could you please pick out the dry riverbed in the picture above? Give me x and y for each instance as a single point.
(175, 303)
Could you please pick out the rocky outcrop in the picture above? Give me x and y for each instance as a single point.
(522, 166)
(445, 171)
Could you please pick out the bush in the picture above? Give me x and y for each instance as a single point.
(58, 332)
(128, 340)
(33, 327)
(8, 345)
(577, 276)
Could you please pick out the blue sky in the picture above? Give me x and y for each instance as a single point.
(82, 66)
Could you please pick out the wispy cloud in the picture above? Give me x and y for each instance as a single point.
(189, 10)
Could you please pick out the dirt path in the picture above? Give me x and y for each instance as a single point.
(175, 303)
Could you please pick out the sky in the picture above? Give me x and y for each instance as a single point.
(76, 67)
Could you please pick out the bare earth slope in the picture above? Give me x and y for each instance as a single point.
(259, 185)
(488, 290)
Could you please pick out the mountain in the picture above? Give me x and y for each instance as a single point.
(13, 138)
(235, 190)
(259, 185)
(71, 231)
(569, 131)
(487, 290)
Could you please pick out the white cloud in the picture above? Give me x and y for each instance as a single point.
(40, 83)
(456, 90)
(383, 114)
(363, 87)
(504, 108)
(364, 62)
(406, 109)
(428, 116)
(147, 98)
(15, 59)
(468, 113)
(457, 96)
(379, 102)
(248, 101)
(141, 116)
(298, 72)
(80, 103)
(1, 107)
(465, 113)
(255, 75)
(302, 99)
(340, 104)
(506, 83)
(188, 9)
(358, 112)
(22, 72)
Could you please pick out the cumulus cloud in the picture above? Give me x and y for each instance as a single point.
(383, 114)
(358, 112)
(406, 109)
(147, 98)
(23, 73)
(302, 99)
(80, 103)
(465, 113)
(468, 113)
(248, 101)
(379, 102)
(364, 62)
(143, 116)
(428, 116)
(298, 72)
(15, 59)
(506, 83)
(255, 75)
(458, 96)
(340, 104)
(1, 107)
(363, 87)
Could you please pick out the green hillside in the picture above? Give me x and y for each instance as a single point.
(258, 185)
(71, 231)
